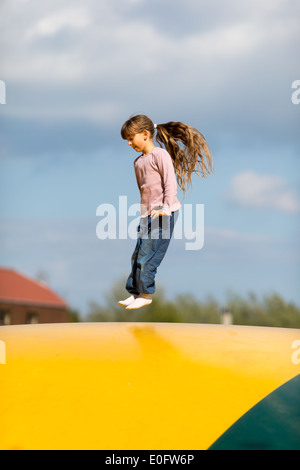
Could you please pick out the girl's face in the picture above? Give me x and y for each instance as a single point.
(140, 142)
(137, 142)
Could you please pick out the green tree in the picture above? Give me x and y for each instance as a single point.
(271, 310)
(73, 316)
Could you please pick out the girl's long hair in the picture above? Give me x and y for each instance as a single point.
(186, 145)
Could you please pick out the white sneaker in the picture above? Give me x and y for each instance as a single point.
(125, 303)
(138, 303)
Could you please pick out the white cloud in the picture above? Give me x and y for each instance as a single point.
(102, 61)
(253, 190)
(227, 42)
(119, 41)
(224, 236)
(49, 25)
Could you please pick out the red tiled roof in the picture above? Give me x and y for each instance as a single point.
(17, 288)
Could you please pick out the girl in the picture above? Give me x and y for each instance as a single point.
(186, 152)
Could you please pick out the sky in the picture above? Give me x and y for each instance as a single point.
(75, 71)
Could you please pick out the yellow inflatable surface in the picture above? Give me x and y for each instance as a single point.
(118, 386)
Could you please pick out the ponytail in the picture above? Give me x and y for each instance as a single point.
(188, 149)
(186, 145)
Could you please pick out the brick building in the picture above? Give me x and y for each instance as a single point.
(24, 300)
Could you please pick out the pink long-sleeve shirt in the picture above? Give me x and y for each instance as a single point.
(156, 180)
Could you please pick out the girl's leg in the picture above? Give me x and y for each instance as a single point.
(150, 253)
(151, 247)
(131, 285)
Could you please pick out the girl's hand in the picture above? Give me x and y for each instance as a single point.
(156, 213)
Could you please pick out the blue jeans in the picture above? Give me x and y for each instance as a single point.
(152, 244)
